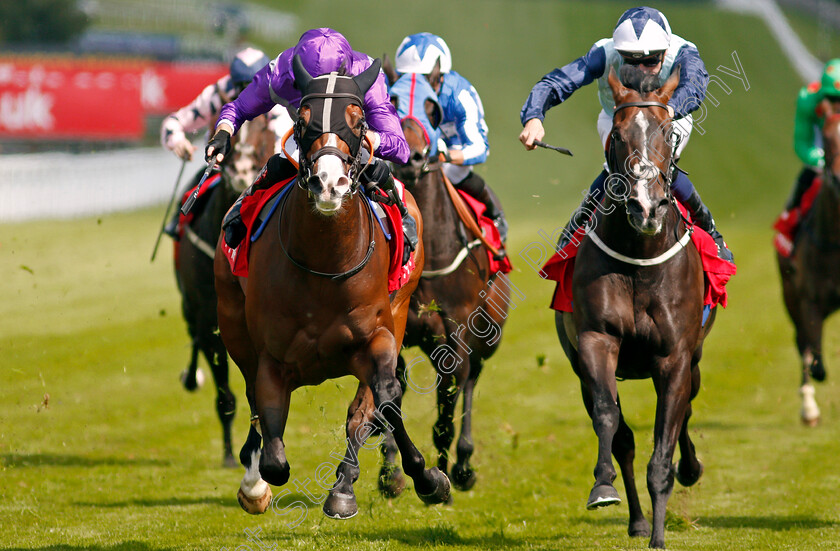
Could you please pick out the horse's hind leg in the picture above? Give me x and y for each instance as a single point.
(431, 485)
(689, 469)
(624, 451)
(463, 476)
(216, 356)
(391, 479)
(341, 502)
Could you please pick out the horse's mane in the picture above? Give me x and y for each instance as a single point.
(633, 77)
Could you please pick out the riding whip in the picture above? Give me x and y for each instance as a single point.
(168, 208)
(562, 150)
(185, 209)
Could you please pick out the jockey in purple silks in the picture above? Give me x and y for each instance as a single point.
(322, 51)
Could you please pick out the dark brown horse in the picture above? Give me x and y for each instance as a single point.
(315, 305)
(194, 268)
(811, 275)
(457, 283)
(635, 319)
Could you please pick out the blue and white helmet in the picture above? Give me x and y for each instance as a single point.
(418, 53)
(246, 64)
(641, 32)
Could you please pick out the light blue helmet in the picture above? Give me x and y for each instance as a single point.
(246, 64)
(641, 32)
(418, 53)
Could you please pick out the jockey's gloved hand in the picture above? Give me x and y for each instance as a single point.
(219, 145)
(377, 172)
(443, 151)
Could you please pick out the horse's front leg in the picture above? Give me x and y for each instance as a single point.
(672, 380)
(448, 390)
(341, 502)
(809, 343)
(391, 479)
(431, 485)
(272, 400)
(598, 360)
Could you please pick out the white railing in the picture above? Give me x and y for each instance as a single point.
(67, 185)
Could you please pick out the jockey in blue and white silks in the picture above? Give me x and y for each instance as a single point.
(641, 38)
(463, 129)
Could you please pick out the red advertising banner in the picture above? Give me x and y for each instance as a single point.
(73, 98)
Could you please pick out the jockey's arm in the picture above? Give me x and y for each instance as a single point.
(254, 101)
(691, 91)
(469, 121)
(384, 124)
(804, 130)
(555, 87)
(189, 119)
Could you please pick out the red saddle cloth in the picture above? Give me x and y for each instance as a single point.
(252, 205)
(185, 220)
(491, 233)
(788, 222)
(717, 272)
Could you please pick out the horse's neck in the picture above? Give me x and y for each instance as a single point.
(308, 233)
(615, 231)
(438, 212)
(827, 212)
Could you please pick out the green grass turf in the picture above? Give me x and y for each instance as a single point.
(121, 457)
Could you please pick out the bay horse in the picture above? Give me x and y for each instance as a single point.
(315, 305)
(637, 318)
(811, 275)
(456, 283)
(251, 148)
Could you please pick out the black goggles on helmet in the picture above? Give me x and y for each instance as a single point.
(637, 58)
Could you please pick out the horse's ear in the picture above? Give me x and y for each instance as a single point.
(619, 91)
(435, 77)
(366, 78)
(670, 85)
(302, 76)
(388, 69)
(434, 112)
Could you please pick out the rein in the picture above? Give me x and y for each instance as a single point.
(330, 275)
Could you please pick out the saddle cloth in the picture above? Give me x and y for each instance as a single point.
(717, 272)
(789, 221)
(258, 208)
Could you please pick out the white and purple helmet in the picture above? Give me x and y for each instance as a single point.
(641, 32)
(418, 53)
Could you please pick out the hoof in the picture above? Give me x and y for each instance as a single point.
(811, 422)
(602, 496)
(443, 490)
(463, 478)
(192, 383)
(688, 478)
(391, 482)
(256, 506)
(340, 506)
(229, 462)
(639, 529)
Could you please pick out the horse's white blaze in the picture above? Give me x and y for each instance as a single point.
(335, 183)
(252, 484)
(641, 170)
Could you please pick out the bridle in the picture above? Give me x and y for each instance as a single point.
(666, 178)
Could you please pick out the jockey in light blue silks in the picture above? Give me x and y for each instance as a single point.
(321, 51)
(463, 140)
(642, 38)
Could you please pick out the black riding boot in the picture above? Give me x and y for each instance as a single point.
(276, 169)
(701, 216)
(803, 182)
(408, 223)
(478, 189)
